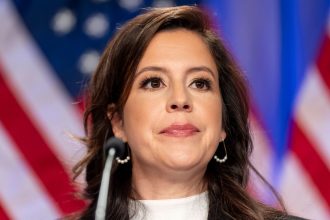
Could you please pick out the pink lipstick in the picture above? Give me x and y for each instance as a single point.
(180, 130)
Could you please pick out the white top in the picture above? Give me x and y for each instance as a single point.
(192, 208)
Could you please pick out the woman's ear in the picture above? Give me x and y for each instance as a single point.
(223, 135)
(116, 123)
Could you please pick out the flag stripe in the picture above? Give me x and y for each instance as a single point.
(323, 61)
(311, 161)
(26, 184)
(312, 113)
(310, 142)
(3, 215)
(36, 87)
(300, 195)
(36, 151)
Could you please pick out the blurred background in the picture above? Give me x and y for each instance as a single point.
(49, 49)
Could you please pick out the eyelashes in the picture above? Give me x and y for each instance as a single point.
(156, 82)
(201, 83)
(152, 82)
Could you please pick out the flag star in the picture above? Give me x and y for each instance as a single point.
(130, 5)
(96, 25)
(88, 62)
(163, 3)
(63, 21)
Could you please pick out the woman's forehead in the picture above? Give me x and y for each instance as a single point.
(177, 47)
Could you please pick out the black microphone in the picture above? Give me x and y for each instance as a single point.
(113, 147)
(116, 144)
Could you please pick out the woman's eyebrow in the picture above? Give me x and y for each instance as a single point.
(151, 68)
(164, 70)
(202, 69)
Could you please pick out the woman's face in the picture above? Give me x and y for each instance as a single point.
(172, 117)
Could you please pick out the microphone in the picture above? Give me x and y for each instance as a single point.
(112, 147)
(115, 143)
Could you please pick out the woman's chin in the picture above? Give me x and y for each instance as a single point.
(184, 163)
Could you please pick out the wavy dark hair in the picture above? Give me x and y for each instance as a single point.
(110, 86)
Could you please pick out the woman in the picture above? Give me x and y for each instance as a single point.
(168, 88)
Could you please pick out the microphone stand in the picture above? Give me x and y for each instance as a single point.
(103, 194)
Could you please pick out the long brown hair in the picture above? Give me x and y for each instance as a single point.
(110, 86)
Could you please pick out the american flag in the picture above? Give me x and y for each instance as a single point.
(48, 49)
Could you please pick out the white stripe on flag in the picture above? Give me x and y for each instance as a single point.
(300, 196)
(19, 186)
(36, 87)
(313, 113)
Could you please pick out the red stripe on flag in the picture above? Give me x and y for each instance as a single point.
(3, 215)
(311, 161)
(323, 61)
(37, 153)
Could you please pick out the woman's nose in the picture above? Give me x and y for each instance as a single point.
(179, 100)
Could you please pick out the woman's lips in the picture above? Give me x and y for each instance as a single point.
(180, 130)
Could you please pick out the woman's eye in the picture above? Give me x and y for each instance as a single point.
(152, 83)
(202, 84)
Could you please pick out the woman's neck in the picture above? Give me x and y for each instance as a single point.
(153, 185)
